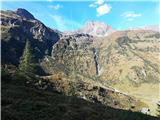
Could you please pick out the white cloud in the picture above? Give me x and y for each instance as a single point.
(130, 16)
(103, 9)
(63, 23)
(133, 15)
(92, 5)
(55, 7)
(99, 2)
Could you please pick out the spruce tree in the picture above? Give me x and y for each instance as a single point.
(26, 64)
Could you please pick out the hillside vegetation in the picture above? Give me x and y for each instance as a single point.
(20, 101)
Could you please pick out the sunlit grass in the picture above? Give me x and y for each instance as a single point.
(148, 93)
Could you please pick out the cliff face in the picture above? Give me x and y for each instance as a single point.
(75, 54)
(19, 26)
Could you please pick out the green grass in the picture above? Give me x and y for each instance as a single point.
(147, 93)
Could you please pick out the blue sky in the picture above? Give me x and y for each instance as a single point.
(71, 15)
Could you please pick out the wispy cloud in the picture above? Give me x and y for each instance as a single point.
(130, 16)
(55, 7)
(63, 23)
(103, 9)
(98, 2)
(92, 5)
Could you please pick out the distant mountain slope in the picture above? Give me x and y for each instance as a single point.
(155, 28)
(19, 26)
(133, 54)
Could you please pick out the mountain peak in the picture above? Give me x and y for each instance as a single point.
(24, 13)
(91, 22)
(96, 28)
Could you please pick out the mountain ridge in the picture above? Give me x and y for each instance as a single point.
(41, 37)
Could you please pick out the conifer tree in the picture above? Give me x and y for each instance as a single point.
(26, 64)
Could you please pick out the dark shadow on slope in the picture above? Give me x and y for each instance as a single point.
(25, 103)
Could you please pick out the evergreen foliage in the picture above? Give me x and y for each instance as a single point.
(26, 63)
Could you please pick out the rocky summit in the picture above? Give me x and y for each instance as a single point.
(95, 64)
(99, 29)
(96, 29)
(24, 13)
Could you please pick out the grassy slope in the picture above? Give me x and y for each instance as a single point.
(111, 98)
(148, 93)
(145, 89)
(20, 102)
